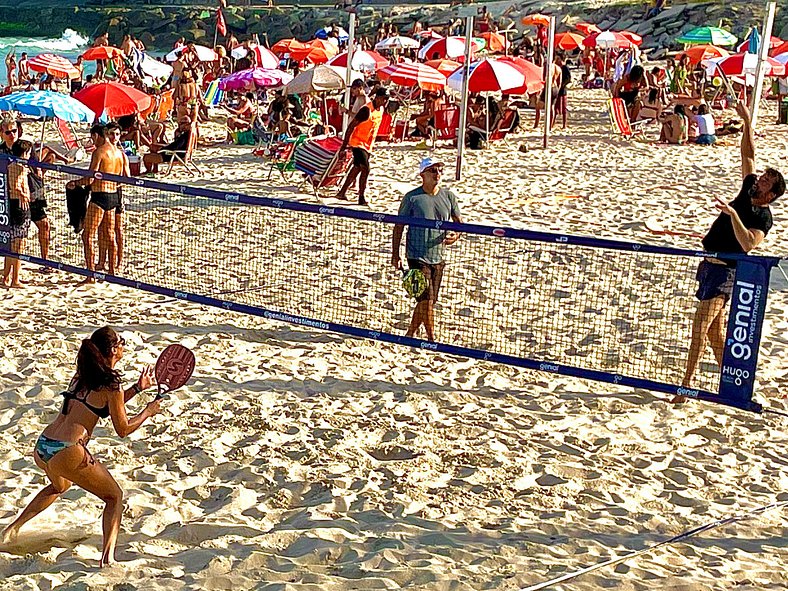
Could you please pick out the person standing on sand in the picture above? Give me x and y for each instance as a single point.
(360, 136)
(61, 451)
(105, 199)
(740, 227)
(425, 246)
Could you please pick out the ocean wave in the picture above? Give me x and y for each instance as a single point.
(69, 41)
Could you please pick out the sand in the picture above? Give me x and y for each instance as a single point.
(301, 459)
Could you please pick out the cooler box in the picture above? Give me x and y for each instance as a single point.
(134, 165)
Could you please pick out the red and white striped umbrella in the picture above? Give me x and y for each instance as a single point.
(368, 61)
(634, 38)
(740, 64)
(413, 74)
(607, 40)
(449, 47)
(488, 75)
(57, 66)
(534, 75)
(266, 58)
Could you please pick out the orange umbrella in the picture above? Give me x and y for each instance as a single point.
(287, 46)
(536, 19)
(698, 53)
(443, 66)
(316, 51)
(496, 43)
(587, 28)
(103, 52)
(568, 41)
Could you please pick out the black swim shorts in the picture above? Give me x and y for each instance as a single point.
(714, 280)
(360, 157)
(105, 201)
(38, 210)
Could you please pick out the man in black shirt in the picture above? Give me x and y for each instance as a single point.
(741, 226)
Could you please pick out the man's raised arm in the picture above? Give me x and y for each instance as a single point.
(747, 141)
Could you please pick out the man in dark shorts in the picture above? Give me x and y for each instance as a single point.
(425, 246)
(113, 133)
(360, 136)
(741, 226)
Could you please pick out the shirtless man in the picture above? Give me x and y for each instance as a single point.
(105, 238)
(104, 200)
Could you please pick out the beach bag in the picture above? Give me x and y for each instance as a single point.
(414, 282)
(77, 206)
(244, 138)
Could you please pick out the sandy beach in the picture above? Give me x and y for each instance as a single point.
(304, 460)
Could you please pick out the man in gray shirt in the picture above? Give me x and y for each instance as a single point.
(425, 246)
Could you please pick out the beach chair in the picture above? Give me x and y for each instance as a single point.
(323, 164)
(619, 120)
(73, 146)
(282, 155)
(187, 160)
(447, 123)
(500, 131)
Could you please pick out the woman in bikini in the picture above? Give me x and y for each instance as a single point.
(61, 450)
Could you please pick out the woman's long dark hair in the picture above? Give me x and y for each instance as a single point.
(93, 361)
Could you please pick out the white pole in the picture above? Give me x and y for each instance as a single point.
(351, 42)
(464, 101)
(548, 79)
(760, 70)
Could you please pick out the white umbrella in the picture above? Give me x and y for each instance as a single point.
(204, 54)
(317, 79)
(397, 42)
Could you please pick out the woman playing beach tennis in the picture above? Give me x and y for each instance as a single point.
(61, 450)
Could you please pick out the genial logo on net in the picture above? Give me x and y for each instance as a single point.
(745, 305)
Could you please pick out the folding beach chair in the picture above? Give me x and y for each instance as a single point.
(500, 131)
(386, 129)
(185, 160)
(322, 163)
(73, 146)
(619, 120)
(282, 155)
(447, 123)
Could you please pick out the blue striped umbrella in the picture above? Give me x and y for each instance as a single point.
(47, 104)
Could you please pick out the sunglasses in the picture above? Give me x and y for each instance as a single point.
(121, 342)
(10, 132)
(435, 170)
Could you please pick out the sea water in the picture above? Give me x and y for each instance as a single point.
(70, 45)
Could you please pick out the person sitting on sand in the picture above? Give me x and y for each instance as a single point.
(425, 246)
(61, 450)
(740, 227)
(652, 106)
(19, 211)
(240, 118)
(705, 122)
(675, 127)
(628, 88)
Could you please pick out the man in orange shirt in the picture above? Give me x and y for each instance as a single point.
(360, 136)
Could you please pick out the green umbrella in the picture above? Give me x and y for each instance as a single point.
(712, 35)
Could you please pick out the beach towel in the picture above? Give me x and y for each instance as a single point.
(77, 206)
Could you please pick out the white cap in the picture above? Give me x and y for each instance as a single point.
(428, 163)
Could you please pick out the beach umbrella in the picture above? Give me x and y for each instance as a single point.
(607, 40)
(448, 47)
(316, 51)
(368, 61)
(204, 54)
(323, 33)
(779, 49)
(568, 41)
(698, 53)
(254, 78)
(103, 52)
(782, 58)
(708, 35)
(495, 42)
(753, 41)
(741, 64)
(488, 75)
(534, 75)
(397, 42)
(443, 66)
(587, 28)
(287, 46)
(413, 74)
(536, 20)
(318, 79)
(634, 38)
(52, 64)
(265, 57)
(113, 99)
(429, 34)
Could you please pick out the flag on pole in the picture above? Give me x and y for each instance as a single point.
(221, 26)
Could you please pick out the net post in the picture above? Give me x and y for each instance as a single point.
(351, 46)
(763, 54)
(464, 99)
(743, 334)
(5, 206)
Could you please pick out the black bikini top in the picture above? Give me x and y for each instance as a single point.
(71, 394)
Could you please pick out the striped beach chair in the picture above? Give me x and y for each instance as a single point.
(619, 120)
(322, 163)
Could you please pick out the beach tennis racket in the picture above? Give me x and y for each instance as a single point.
(173, 369)
(655, 227)
(414, 282)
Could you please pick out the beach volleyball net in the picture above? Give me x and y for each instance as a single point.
(599, 309)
